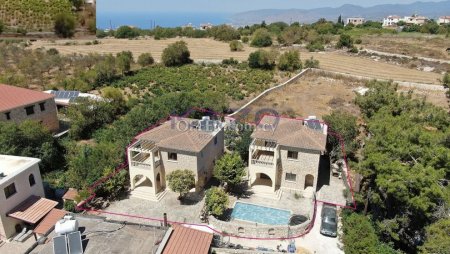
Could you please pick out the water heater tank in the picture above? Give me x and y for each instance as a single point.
(65, 226)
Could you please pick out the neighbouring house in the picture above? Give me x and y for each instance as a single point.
(179, 143)
(444, 20)
(355, 21)
(285, 154)
(65, 98)
(181, 239)
(391, 20)
(22, 202)
(20, 104)
(70, 195)
(91, 2)
(206, 26)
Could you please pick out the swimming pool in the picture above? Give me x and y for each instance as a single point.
(260, 214)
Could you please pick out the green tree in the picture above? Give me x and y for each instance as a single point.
(181, 181)
(343, 124)
(145, 59)
(290, 61)
(224, 33)
(124, 60)
(31, 139)
(437, 237)
(345, 40)
(261, 38)
(64, 25)
(230, 169)
(176, 54)
(77, 3)
(262, 59)
(216, 201)
(126, 32)
(236, 46)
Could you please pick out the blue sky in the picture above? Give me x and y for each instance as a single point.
(229, 6)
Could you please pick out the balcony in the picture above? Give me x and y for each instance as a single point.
(263, 158)
(142, 153)
(264, 145)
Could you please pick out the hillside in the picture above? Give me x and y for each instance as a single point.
(430, 9)
(38, 15)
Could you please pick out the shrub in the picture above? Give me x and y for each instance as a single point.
(345, 40)
(145, 59)
(101, 33)
(2, 27)
(236, 46)
(245, 39)
(353, 50)
(262, 59)
(64, 25)
(21, 31)
(52, 51)
(261, 38)
(224, 33)
(311, 63)
(315, 46)
(358, 41)
(176, 54)
(216, 201)
(230, 61)
(290, 61)
(69, 206)
(126, 32)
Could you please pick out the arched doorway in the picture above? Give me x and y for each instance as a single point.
(309, 181)
(141, 181)
(158, 182)
(262, 179)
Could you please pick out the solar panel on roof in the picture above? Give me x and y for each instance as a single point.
(314, 124)
(65, 94)
(75, 246)
(60, 245)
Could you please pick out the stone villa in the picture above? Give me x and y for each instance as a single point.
(180, 143)
(286, 157)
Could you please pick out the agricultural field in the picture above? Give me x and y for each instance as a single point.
(209, 50)
(411, 44)
(32, 15)
(202, 49)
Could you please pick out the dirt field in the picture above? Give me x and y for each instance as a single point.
(310, 95)
(341, 62)
(411, 44)
(319, 94)
(211, 50)
(201, 49)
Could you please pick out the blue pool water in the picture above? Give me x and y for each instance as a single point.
(260, 214)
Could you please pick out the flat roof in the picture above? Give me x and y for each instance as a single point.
(12, 97)
(32, 209)
(13, 165)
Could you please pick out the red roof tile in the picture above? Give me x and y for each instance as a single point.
(32, 209)
(71, 194)
(49, 221)
(13, 97)
(188, 241)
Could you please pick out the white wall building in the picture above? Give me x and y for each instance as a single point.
(444, 20)
(20, 179)
(355, 21)
(392, 20)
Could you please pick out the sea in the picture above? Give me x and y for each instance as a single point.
(147, 20)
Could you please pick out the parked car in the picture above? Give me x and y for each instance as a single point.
(329, 221)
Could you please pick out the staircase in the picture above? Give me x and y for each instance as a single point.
(147, 193)
(266, 192)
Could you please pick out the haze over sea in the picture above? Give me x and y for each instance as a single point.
(145, 20)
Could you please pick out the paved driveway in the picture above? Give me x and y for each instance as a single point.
(318, 243)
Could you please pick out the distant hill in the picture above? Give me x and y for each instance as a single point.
(429, 9)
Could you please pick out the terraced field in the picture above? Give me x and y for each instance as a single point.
(215, 51)
(32, 15)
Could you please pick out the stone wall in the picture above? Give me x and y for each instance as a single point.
(307, 163)
(48, 116)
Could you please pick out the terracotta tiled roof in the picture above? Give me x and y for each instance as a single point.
(13, 97)
(188, 241)
(49, 221)
(175, 135)
(291, 133)
(32, 209)
(71, 194)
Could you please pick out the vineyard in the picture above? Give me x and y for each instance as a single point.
(32, 15)
(236, 83)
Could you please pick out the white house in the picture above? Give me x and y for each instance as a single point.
(22, 202)
(415, 19)
(391, 20)
(444, 20)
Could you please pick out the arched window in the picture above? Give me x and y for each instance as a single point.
(31, 180)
